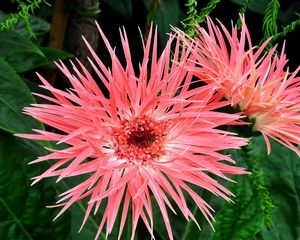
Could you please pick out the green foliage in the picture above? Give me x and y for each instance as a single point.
(282, 174)
(163, 13)
(23, 55)
(191, 231)
(269, 22)
(248, 218)
(204, 12)
(242, 11)
(123, 7)
(289, 28)
(257, 6)
(23, 212)
(39, 26)
(16, 44)
(189, 22)
(257, 177)
(24, 13)
(14, 96)
(19, 55)
(242, 219)
(78, 210)
(178, 222)
(24, 62)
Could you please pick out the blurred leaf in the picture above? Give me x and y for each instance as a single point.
(258, 6)
(78, 209)
(181, 228)
(12, 43)
(191, 231)
(54, 54)
(23, 212)
(39, 27)
(282, 176)
(14, 96)
(164, 14)
(123, 7)
(24, 62)
(289, 14)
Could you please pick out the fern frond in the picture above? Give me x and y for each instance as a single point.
(242, 12)
(265, 200)
(206, 10)
(25, 11)
(189, 22)
(289, 28)
(193, 18)
(269, 22)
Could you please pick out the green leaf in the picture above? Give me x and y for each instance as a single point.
(54, 54)
(23, 212)
(282, 176)
(164, 14)
(257, 6)
(14, 96)
(191, 231)
(181, 228)
(39, 27)
(124, 7)
(24, 62)
(78, 209)
(242, 219)
(12, 43)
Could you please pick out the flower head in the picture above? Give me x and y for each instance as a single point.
(255, 82)
(140, 137)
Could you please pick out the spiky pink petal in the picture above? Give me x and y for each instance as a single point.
(152, 130)
(258, 83)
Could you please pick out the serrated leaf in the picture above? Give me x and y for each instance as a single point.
(282, 176)
(14, 96)
(24, 62)
(281, 170)
(23, 214)
(12, 43)
(242, 219)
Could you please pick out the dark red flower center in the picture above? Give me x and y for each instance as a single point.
(139, 139)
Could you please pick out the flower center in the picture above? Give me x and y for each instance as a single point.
(139, 139)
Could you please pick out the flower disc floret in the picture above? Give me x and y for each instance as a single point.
(139, 139)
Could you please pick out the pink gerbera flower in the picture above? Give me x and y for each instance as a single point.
(139, 137)
(255, 82)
